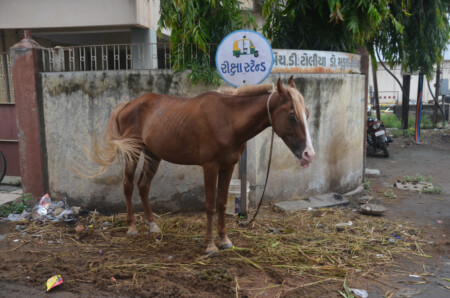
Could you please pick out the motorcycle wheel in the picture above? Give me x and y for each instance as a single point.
(2, 166)
(383, 146)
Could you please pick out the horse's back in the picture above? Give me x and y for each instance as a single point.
(174, 128)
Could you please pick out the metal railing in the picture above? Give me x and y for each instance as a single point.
(122, 57)
(6, 85)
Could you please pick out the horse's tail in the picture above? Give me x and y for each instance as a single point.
(113, 146)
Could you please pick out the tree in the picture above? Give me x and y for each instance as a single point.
(330, 25)
(412, 33)
(419, 46)
(197, 24)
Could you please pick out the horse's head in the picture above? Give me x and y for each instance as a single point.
(289, 121)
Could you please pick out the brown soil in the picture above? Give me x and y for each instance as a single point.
(288, 255)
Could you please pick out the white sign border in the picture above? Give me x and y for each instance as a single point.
(245, 30)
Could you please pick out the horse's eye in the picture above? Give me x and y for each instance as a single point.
(292, 119)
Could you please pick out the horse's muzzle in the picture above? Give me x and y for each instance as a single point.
(307, 157)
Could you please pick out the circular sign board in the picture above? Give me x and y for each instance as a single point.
(244, 57)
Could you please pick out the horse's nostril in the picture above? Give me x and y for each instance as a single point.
(306, 154)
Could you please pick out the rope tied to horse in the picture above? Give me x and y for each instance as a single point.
(268, 165)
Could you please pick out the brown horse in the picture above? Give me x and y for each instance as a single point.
(210, 130)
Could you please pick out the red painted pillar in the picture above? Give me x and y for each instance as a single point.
(26, 64)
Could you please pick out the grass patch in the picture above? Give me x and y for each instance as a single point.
(366, 185)
(417, 178)
(437, 189)
(16, 207)
(391, 121)
(390, 194)
(402, 132)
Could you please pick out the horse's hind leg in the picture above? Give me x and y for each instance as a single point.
(151, 163)
(130, 168)
(210, 176)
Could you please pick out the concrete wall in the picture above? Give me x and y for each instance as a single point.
(80, 13)
(336, 123)
(77, 105)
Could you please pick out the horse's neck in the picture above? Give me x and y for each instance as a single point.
(253, 116)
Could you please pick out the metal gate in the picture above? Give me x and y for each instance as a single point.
(8, 126)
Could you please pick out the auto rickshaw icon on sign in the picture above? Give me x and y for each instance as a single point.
(244, 47)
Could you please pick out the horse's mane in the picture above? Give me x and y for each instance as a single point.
(247, 90)
(298, 101)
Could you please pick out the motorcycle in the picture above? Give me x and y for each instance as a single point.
(376, 136)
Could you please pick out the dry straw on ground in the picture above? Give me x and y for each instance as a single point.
(303, 244)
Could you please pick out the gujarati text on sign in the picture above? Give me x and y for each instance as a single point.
(304, 61)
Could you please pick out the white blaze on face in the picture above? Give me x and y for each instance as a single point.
(308, 154)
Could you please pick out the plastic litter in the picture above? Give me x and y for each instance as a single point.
(273, 230)
(360, 293)
(372, 209)
(438, 221)
(54, 211)
(47, 210)
(414, 275)
(54, 281)
(344, 224)
(379, 255)
(19, 217)
(398, 237)
(80, 228)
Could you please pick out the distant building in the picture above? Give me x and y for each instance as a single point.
(389, 92)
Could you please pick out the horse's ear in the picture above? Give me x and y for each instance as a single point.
(291, 82)
(280, 87)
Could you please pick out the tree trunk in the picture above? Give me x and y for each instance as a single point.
(405, 100)
(436, 94)
(375, 92)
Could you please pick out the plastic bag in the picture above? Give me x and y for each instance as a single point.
(54, 281)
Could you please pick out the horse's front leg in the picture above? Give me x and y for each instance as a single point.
(210, 176)
(224, 183)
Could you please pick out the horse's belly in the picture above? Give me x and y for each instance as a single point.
(174, 151)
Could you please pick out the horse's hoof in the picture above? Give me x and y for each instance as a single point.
(132, 232)
(154, 228)
(211, 250)
(226, 246)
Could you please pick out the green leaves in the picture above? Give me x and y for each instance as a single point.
(415, 34)
(195, 26)
(412, 33)
(336, 25)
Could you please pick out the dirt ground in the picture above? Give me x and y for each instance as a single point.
(404, 253)
(431, 212)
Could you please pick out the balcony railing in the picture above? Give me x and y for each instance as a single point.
(122, 57)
